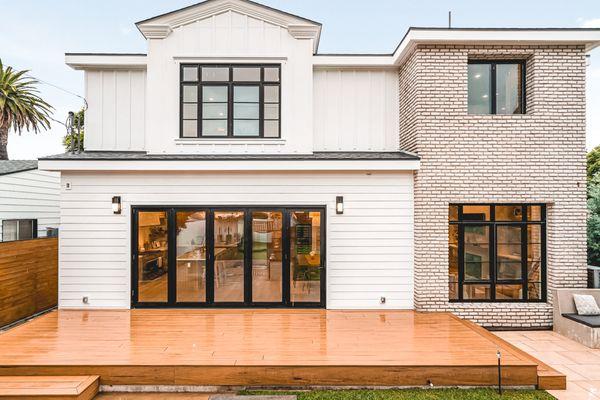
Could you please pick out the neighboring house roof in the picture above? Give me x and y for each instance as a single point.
(316, 156)
(13, 166)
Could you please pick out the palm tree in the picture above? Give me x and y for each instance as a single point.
(20, 106)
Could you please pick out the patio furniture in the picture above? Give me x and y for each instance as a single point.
(584, 329)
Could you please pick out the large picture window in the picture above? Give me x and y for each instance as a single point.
(497, 252)
(496, 87)
(237, 101)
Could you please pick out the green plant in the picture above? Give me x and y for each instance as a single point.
(78, 120)
(20, 105)
(593, 221)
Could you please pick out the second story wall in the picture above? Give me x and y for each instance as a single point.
(356, 109)
(115, 118)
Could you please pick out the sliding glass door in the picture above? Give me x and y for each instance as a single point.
(228, 257)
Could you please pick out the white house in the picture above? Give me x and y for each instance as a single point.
(235, 166)
(29, 200)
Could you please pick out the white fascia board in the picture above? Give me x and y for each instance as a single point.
(229, 165)
(106, 61)
(353, 61)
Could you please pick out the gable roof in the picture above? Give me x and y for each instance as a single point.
(13, 166)
(160, 26)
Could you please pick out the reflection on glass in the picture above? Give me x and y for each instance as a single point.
(534, 262)
(509, 213)
(534, 213)
(476, 213)
(229, 256)
(509, 292)
(477, 251)
(305, 260)
(476, 292)
(479, 101)
(508, 88)
(508, 252)
(191, 256)
(152, 256)
(453, 261)
(266, 256)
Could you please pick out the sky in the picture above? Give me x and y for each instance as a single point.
(35, 34)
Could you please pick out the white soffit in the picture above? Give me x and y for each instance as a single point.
(161, 26)
(105, 61)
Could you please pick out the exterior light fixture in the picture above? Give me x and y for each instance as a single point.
(339, 205)
(116, 204)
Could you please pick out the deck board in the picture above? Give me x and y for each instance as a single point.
(49, 387)
(268, 347)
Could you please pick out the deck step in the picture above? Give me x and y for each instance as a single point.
(49, 387)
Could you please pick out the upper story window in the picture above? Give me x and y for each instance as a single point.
(497, 252)
(496, 87)
(236, 101)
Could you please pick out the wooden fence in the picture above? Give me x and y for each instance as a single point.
(28, 278)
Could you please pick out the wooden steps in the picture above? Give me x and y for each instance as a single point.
(49, 387)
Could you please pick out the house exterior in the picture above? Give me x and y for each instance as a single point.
(234, 165)
(29, 201)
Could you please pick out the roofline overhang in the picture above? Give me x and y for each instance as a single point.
(81, 61)
(227, 165)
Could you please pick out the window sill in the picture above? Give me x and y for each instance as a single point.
(228, 141)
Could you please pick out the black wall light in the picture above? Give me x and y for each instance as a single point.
(116, 204)
(339, 205)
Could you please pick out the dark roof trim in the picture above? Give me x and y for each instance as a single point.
(247, 1)
(8, 167)
(317, 156)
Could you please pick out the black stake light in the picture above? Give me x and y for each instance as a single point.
(116, 204)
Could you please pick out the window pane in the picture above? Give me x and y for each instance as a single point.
(247, 94)
(191, 256)
(215, 74)
(453, 261)
(305, 256)
(245, 110)
(271, 129)
(153, 259)
(214, 110)
(476, 253)
(476, 213)
(214, 94)
(267, 256)
(534, 290)
(271, 74)
(245, 127)
(190, 128)
(534, 234)
(214, 127)
(509, 292)
(508, 88)
(509, 213)
(271, 94)
(479, 89)
(246, 74)
(25, 229)
(229, 256)
(271, 111)
(190, 110)
(508, 252)
(190, 74)
(9, 231)
(453, 213)
(476, 292)
(534, 213)
(453, 290)
(190, 94)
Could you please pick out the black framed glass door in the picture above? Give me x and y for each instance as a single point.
(228, 256)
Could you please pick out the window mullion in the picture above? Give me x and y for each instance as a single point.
(493, 88)
(524, 266)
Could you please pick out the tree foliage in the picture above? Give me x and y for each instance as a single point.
(78, 120)
(593, 220)
(21, 107)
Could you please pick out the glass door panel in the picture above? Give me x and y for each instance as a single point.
(305, 256)
(267, 256)
(191, 256)
(229, 256)
(153, 264)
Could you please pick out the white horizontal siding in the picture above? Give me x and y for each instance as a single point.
(31, 195)
(356, 110)
(115, 117)
(369, 247)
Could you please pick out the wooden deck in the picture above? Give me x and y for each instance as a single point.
(266, 348)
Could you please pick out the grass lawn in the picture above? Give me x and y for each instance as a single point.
(414, 394)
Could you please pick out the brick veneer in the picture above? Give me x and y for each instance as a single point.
(535, 157)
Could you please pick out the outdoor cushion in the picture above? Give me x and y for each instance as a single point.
(588, 320)
(586, 304)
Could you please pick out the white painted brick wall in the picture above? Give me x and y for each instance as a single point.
(536, 157)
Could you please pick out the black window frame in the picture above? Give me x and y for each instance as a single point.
(493, 81)
(492, 225)
(230, 84)
(34, 228)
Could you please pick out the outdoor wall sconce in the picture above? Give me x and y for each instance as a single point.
(116, 204)
(339, 205)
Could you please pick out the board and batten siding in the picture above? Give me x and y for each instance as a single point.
(356, 110)
(31, 195)
(115, 118)
(369, 247)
